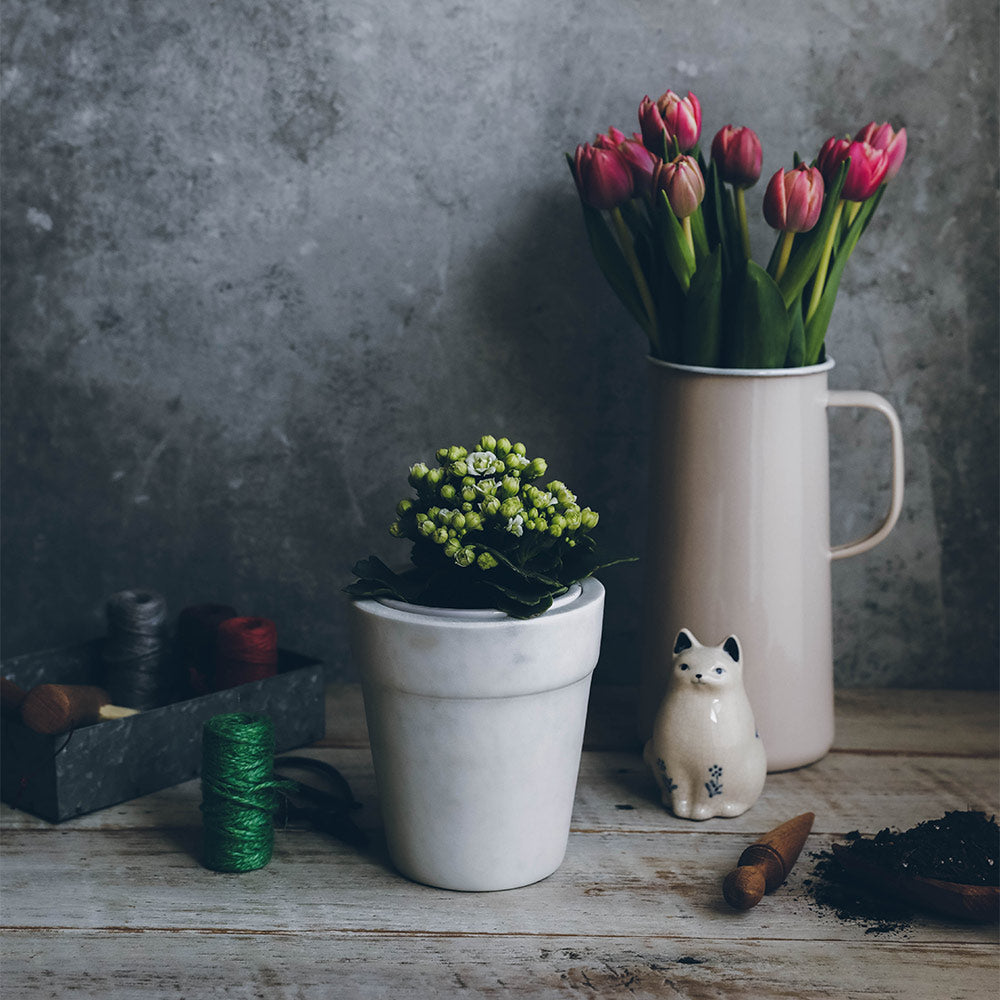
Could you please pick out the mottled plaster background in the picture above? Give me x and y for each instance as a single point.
(258, 257)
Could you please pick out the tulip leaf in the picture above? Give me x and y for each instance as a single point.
(815, 328)
(873, 202)
(701, 333)
(675, 244)
(808, 247)
(720, 219)
(760, 332)
(669, 299)
(612, 262)
(796, 356)
(701, 247)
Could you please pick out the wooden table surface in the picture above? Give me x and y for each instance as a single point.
(117, 905)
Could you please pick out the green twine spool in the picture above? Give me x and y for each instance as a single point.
(238, 791)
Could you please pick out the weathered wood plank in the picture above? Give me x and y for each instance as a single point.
(116, 905)
(322, 965)
(616, 792)
(610, 883)
(915, 721)
(845, 791)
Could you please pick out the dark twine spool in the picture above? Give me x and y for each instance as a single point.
(197, 639)
(243, 795)
(137, 668)
(246, 650)
(239, 792)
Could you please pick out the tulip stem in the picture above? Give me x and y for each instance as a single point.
(853, 211)
(741, 212)
(820, 280)
(628, 249)
(784, 252)
(688, 234)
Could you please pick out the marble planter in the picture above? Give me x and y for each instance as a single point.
(476, 723)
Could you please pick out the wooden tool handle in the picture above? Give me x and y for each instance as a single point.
(56, 708)
(761, 869)
(11, 696)
(744, 887)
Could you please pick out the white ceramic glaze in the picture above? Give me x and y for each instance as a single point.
(476, 725)
(705, 751)
(739, 538)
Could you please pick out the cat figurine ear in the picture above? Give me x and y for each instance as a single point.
(705, 751)
(684, 640)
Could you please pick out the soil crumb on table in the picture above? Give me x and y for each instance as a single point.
(959, 847)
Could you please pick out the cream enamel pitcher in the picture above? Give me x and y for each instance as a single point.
(738, 538)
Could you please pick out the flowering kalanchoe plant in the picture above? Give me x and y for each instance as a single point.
(486, 534)
(669, 229)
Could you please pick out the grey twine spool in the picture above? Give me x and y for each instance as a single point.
(137, 668)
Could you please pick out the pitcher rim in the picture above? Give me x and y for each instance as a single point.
(823, 366)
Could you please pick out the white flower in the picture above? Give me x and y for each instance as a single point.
(482, 463)
(516, 525)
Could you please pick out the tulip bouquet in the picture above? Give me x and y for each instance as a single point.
(669, 230)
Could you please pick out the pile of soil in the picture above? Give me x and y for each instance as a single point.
(960, 847)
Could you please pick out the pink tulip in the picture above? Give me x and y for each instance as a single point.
(640, 160)
(671, 116)
(883, 137)
(865, 173)
(603, 176)
(612, 140)
(683, 183)
(738, 155)
(793, 200)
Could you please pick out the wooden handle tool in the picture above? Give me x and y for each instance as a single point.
(11, 697)
(764, 865)
(56, 708)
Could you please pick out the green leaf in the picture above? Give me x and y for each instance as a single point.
(674, 242)
(796, 356)
(761, 327)
(720, 221)
(699, 235)
(611, 260)
(815, 329)
(701, 333)
(375, 579)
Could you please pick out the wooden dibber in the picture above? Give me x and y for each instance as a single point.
(764, 865)
(56, 708)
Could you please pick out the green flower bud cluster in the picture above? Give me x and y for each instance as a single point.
(485, 500)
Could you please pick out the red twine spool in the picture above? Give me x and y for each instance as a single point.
(197, 627)
(246, 650)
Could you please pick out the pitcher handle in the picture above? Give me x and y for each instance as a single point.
(873, 401)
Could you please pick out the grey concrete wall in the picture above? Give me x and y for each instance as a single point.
(261, 256)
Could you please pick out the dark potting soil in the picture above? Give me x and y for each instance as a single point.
(960, 847)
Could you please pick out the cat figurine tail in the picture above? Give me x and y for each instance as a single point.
(705, 750)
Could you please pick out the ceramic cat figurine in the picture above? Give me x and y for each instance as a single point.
(705, 750)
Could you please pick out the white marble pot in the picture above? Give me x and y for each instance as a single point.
(476, 724)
